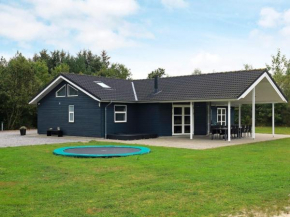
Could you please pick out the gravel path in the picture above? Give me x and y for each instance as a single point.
(13, 139)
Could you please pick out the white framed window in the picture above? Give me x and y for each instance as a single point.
(71, 113)
(120, 114)
(61, 92)
(71, 91)
(221, 116)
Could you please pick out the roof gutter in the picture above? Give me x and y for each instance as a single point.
(106, 118)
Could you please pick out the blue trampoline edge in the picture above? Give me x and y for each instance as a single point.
(139, 151)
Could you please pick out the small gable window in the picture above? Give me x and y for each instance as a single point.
(61, 92)
(71, 91)
(120, 113)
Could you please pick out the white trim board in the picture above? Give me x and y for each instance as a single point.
(56, 92)
(134, 91)
(51, 86)
(68, 92)
(265, 75)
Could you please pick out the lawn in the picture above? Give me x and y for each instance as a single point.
(278, 130)
(166, 182)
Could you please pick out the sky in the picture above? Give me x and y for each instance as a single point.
(177, 35)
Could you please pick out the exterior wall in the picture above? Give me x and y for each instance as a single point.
(53, 113)
(155, 118)
(141, 118)
(200, 118)
(112, 127)
(214, 114)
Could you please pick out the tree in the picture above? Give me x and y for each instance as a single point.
(17, 87)
(160, 72)
(105, 59)
(42, 76)
(116, 70)
(196, 72)
(61, 68)
(248, 67)
(280, 69)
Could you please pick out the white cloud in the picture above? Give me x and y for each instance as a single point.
(269, 18)
(262, 39)
(174, 3)
(67, 24)
(267, 37)
(203, 59)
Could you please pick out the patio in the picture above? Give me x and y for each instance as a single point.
(201, 142)
(13, 139)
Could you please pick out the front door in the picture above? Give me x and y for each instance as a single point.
(181, 120)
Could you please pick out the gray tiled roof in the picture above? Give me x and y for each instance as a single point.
(121, 90)
(227, 85)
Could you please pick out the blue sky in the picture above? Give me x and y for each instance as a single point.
(178, 35)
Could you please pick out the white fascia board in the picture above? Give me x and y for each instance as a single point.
(265, 75)
(47, 89)
(174, 101)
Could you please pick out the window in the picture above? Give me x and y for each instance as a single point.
(60, 92)
(71, 91)
(221, 116)
(71, 113)
(120, 113)
(102, 84)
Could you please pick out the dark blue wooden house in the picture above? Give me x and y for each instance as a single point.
(83, 105)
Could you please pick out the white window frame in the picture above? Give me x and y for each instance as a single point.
(221, 114)
(59, 90)
(70, 112)
(68, 94)
(182, 115)
(120, 112)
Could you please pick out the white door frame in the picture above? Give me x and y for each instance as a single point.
(182, 119)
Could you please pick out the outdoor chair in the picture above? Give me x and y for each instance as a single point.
(235, 131)
(222, 132)
(242, 130)
(250, 130)
(214, 131)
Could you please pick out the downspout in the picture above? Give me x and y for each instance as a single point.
(106, 119)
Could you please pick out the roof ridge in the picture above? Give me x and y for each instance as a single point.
(95, 76)
(211, 73)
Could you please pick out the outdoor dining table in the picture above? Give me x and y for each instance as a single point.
(225, 131)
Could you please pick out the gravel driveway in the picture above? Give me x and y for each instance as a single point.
(13, 138)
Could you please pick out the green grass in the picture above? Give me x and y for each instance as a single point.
(166, 182)
(278, 130)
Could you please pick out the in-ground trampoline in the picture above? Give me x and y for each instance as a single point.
(101, 151)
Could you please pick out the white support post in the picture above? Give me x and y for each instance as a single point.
(253, 113)
(240, 110)
(191, 120)
(273, 119)
(229, 121)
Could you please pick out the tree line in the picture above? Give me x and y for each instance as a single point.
(21, 78)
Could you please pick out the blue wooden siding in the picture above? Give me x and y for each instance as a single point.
(214, 114)
(53, 113)
(141, 118)
(200, 118)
